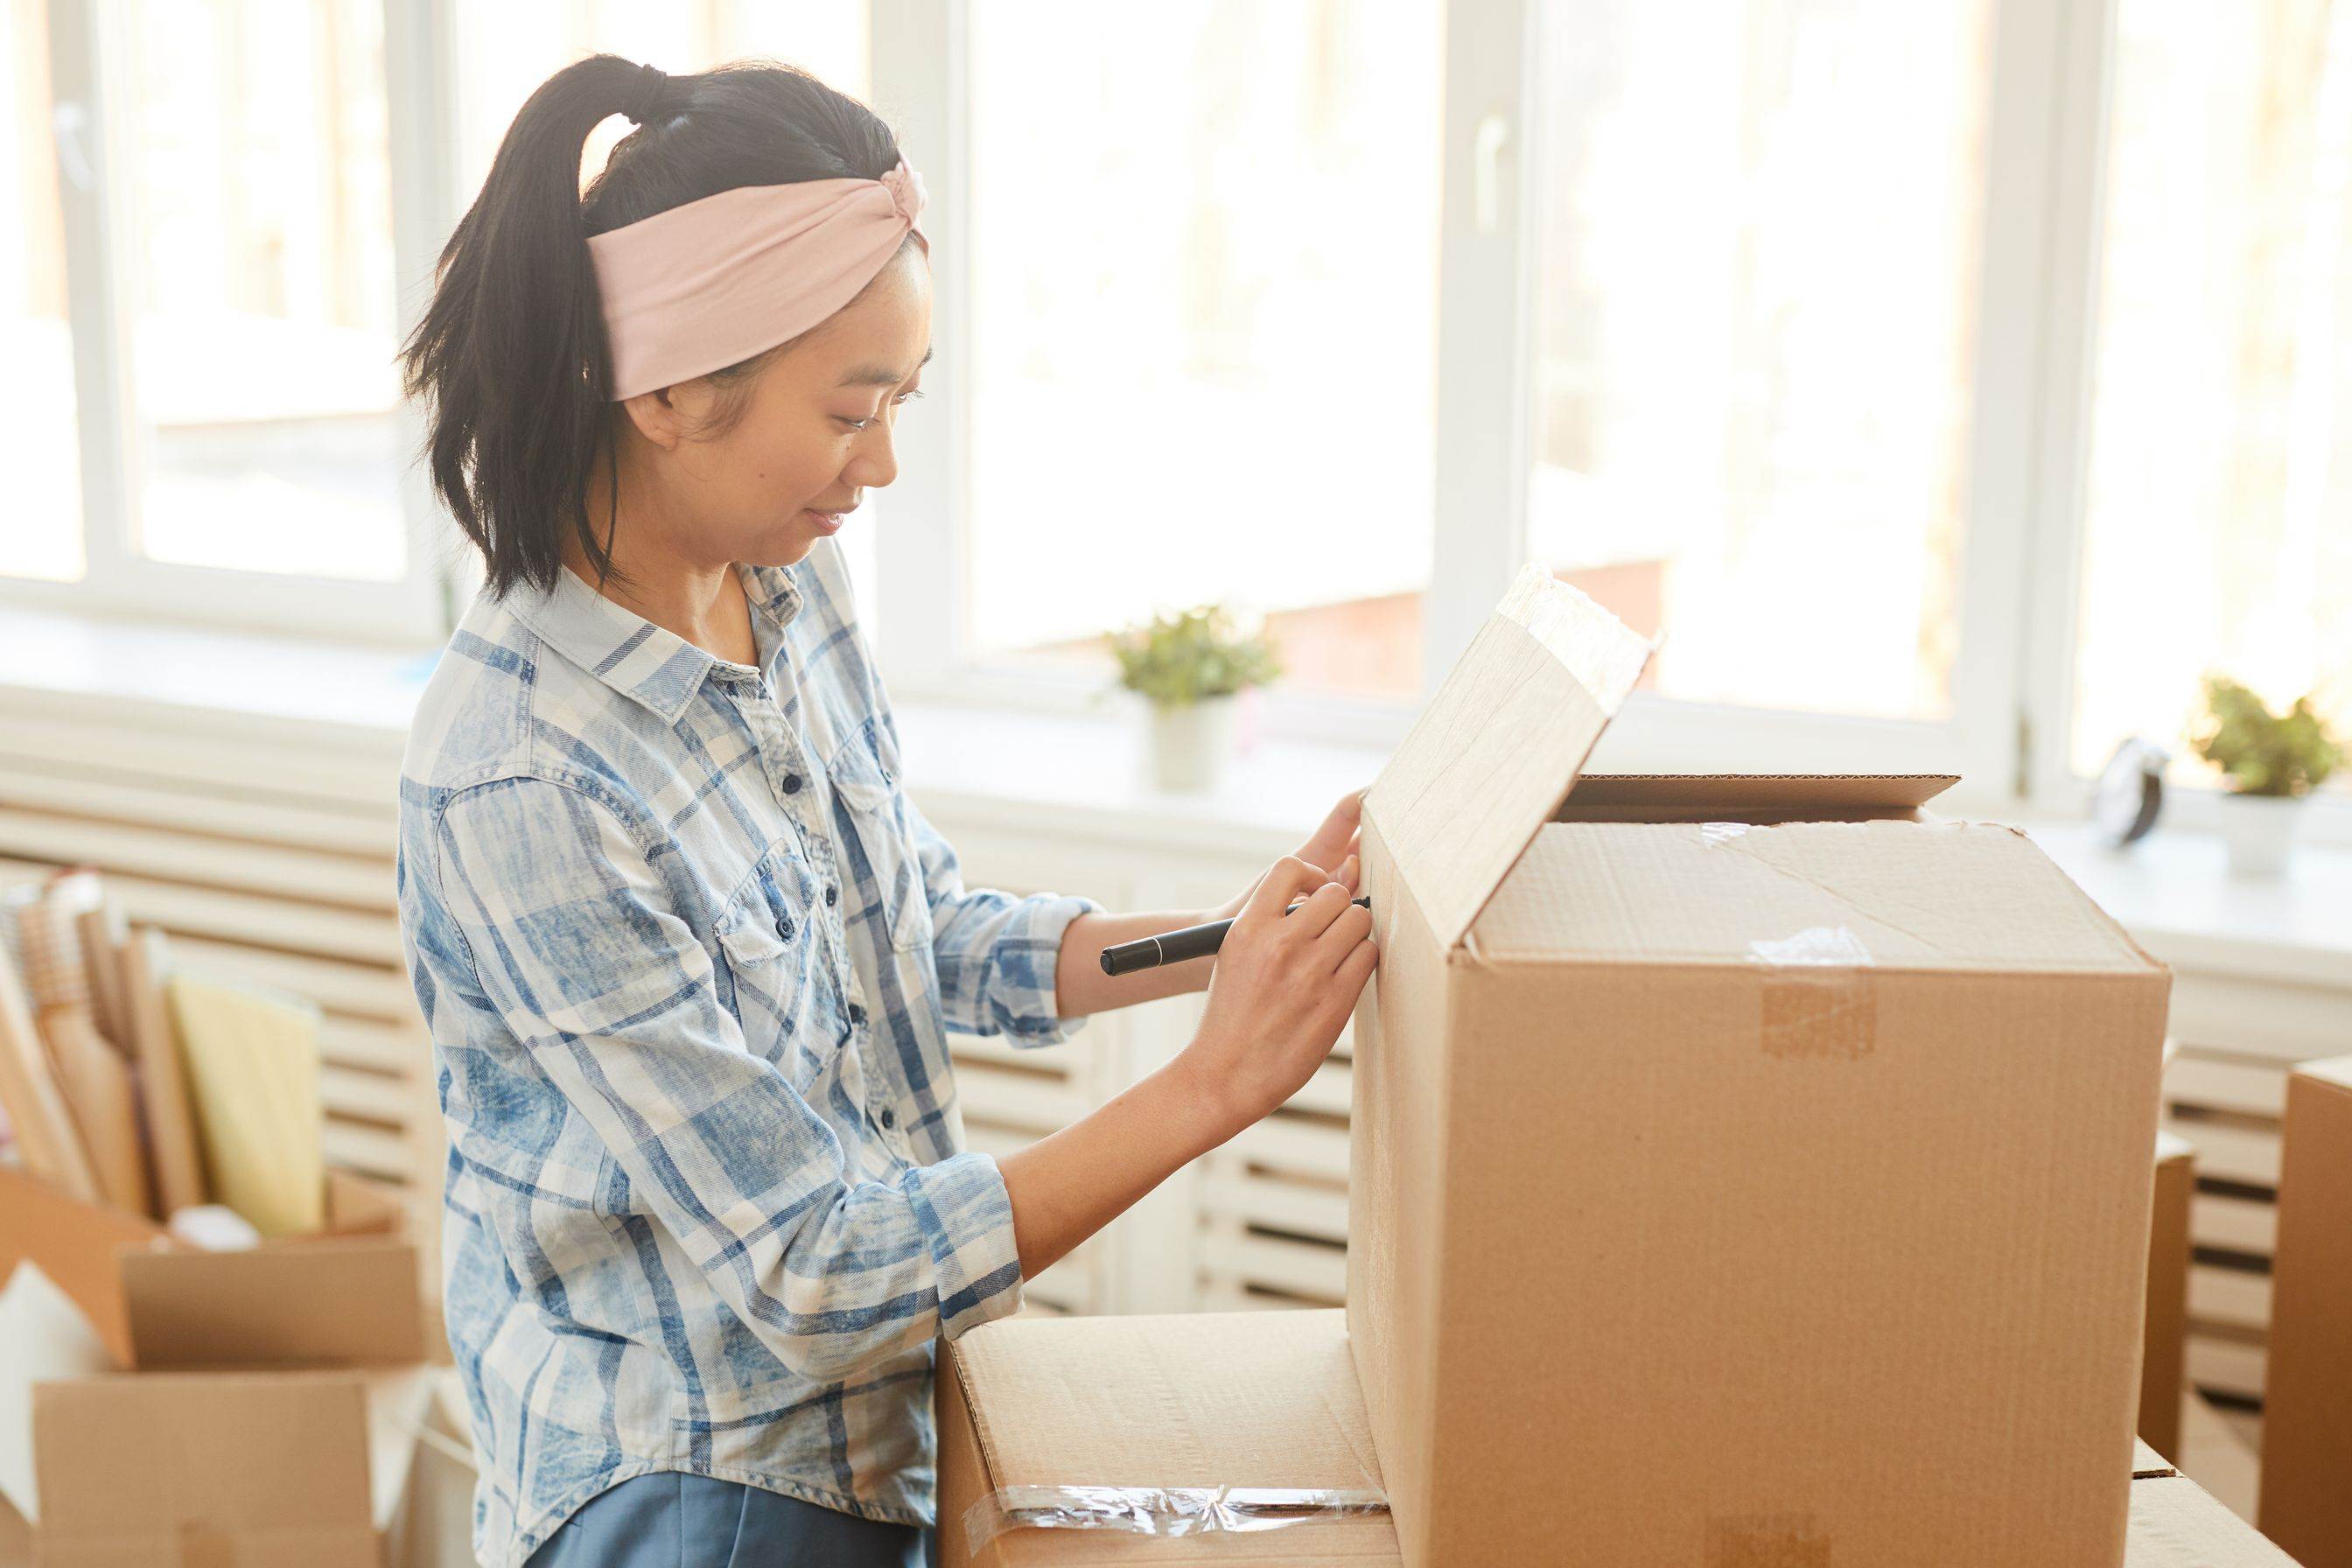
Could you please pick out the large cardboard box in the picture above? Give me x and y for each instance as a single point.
(1129, 1421)
(2306, 1467)
(1740, 1166)
(2164, 1334)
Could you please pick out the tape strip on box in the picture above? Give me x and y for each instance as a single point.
(1821, 994)
(1159, 1511)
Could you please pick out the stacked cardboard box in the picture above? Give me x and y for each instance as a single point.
(2306, 1467)
(264, 1409)
(1039, 1423)
(1745, 1170)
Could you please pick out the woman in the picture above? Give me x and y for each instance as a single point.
(686, 949)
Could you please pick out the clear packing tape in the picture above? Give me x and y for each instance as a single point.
(1819, 997)
(1161, 1511)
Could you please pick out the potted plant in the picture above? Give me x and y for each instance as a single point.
(2271, 762)
(1192, 666)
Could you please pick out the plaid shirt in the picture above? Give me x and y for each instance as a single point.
(689, 954)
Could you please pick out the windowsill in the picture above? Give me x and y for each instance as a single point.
(210, 674)
(1086, 776)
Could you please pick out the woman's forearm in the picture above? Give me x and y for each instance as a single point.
(1080, 987)
(1069, 1185)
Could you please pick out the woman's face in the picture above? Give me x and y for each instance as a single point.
(815, 436)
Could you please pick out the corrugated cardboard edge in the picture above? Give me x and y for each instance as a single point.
(1410, 1457)
(1633, 797)
(2306, 1461)
(2164, 1323)
(2097, 908)
(957, 1402)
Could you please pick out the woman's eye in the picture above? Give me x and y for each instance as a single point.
(862, 424)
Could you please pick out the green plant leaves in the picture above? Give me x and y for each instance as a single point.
(1180, 657)
(2262, 752)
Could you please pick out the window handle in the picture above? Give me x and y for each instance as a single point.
(1486, 156)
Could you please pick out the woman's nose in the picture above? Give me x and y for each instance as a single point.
(875, 461)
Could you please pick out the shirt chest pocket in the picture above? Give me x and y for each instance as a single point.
(878, 839)
(768, 938)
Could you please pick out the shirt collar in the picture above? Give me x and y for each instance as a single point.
(642, 661)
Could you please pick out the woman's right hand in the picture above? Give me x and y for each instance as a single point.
(1281, 988)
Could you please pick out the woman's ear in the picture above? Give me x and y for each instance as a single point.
(659, 417)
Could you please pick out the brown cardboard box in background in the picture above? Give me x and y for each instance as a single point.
(2306, 1464)
(346, 1297)
(275, 1469)
(2164, 1333)
(1716, 1183)
(272, 1464)
(1270, 1399)
(74, 1244)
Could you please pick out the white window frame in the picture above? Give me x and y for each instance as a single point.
(86, 65)
(2013, 680)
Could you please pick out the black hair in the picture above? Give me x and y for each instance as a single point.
(510, 358)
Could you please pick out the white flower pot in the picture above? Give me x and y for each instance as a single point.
(1189, 743)
(2259, 830)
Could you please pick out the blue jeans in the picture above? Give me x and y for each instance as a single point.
(672, 1519)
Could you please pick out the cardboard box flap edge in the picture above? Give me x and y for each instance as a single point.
(1662, 796)
(1808, 899)
(1496, 750)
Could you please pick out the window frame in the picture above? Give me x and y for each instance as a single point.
(2012, 679)
(87, 59)
(1488, 259)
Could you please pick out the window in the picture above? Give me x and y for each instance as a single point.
(1204, 309)
(506, 50)
(2219, 530)
(1952, 383)
(44, 536)
(210, 301)
(259, 278)
(1756, 299)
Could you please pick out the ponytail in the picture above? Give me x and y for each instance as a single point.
(510, 358)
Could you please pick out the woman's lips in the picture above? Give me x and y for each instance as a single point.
(828, 521)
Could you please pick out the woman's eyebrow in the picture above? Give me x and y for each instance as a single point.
(881, 375)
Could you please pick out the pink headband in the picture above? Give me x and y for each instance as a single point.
(702, 286)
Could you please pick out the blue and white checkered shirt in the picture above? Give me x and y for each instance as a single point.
(689, 954)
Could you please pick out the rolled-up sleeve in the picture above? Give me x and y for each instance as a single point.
(996, 952)
(573, 937)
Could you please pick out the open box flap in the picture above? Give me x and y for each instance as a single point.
(1498, 747)
(1751, 797)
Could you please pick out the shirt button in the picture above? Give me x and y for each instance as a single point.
(856, 1014)
(888, 1118)
(831, 893)
(784, 928)
(792, 783)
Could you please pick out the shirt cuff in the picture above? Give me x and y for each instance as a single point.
(966, 1218)
(1028, 951)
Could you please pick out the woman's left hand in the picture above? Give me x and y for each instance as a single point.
(1333, 847)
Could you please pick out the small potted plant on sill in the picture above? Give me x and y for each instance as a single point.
(1191, 666)
(2271, 762)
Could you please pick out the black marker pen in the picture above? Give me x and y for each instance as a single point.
(1175, 946)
